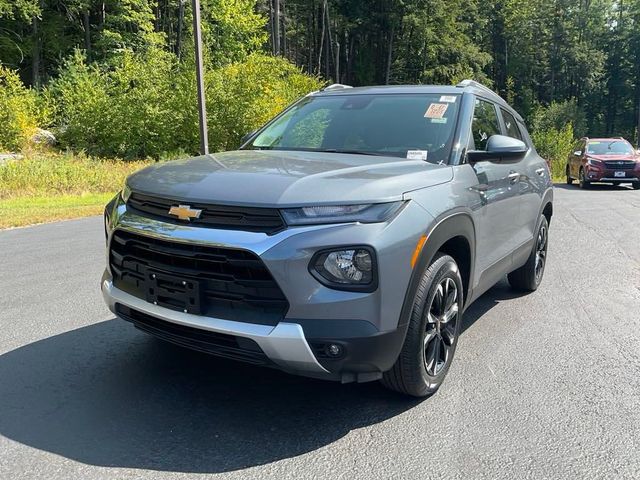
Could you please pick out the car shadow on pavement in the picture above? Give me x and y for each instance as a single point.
(111, 396)
(499, 292)
(108, 395)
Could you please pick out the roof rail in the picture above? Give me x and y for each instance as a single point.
(335, 86)
(473, 83)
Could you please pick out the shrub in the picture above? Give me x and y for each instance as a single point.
(557, 115)
(144, 105)
(21, 112)
(555, 145)
(243, 96)
(134, 108)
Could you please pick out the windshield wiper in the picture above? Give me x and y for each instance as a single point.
(351, 152)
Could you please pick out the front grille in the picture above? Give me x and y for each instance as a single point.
(252, 219)
(217, 282)
(220, 344)
(620, 165)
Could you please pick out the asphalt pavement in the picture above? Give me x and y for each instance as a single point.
(545, 385)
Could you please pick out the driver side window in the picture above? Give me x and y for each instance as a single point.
(485, 123)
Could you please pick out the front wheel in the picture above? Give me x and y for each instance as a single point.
(528, 277)
(433, 330)
(569, 179)
(584, 183)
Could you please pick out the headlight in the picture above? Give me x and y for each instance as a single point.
(108, 211)
(366, 213)
(125, 193)
(346, 268)
(594, 163)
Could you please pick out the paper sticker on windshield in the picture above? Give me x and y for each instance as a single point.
(438, 120)
(436, 110)
(448, 98)
(417, 155)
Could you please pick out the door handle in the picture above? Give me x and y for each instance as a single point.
(540, 171)
(513, 177)
(481, 187)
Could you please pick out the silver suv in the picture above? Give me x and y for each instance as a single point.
(343, 240)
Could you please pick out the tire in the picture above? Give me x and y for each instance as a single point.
(583, 182)
(569, 179)
(528, 277)
(636, 185)
(431, 340)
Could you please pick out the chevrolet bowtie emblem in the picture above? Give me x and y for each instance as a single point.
(185, 212)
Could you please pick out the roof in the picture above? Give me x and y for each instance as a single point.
(466, 86)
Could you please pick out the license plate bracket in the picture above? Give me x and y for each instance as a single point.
(619, 174)
(173, 292)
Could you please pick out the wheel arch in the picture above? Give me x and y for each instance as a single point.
(546, 207)
(454, 235)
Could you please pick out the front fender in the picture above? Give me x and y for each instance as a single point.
(447, 227)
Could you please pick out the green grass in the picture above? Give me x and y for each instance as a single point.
(20, 211)
(45, 187)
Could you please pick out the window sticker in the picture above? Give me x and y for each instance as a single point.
(417, 155)
(438, 120)
(436, 110)
(448, 98)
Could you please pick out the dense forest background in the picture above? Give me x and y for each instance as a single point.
(115, 77)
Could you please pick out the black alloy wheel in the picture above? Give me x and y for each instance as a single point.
(541, 252)
(528, 277)
(432, 333)
(441, 326)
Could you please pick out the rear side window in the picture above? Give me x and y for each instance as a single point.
(511, 125)
(485, 123)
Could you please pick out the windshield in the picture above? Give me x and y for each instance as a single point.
(610, 147)
(414, 126)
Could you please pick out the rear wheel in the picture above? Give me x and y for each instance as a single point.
(528, 277)
(433, 331)
(584, 183)
(569, 179)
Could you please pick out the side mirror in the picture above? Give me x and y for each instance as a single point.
(247, 137)
(577, 153)
(500, 148)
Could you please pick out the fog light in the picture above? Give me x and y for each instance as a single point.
(352, 267)
(334, 350)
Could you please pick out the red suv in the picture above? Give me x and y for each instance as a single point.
(609, 160)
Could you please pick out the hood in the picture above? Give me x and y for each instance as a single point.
(272, 178)
(614, 157)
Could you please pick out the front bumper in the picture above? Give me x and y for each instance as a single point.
(284, 344)
(599, 175)
(366, 324)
